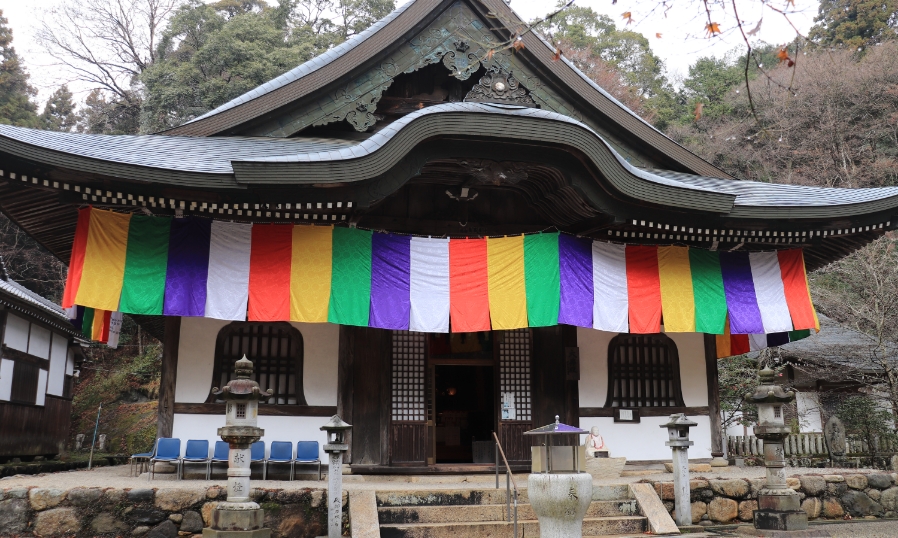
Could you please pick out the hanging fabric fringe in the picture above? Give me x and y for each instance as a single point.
(280, 272)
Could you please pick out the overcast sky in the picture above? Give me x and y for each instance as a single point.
(682, 41)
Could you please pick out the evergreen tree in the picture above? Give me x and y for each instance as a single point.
(212, 53)
(855, 23)
(581, 28)
(16, 107)
(59, 112)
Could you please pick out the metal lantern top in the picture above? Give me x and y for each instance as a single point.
(556, 428)
(769, 391)
(242, 388)
(678, 430)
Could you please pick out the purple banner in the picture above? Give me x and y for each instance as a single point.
(390, 281)
(575, 264)
(742, 303)
(188, 267)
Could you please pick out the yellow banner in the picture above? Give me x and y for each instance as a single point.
(104, 260)
(677, 300)
(507, 291)
(310, 273)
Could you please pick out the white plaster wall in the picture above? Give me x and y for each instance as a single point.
(6, 367)
(643, 441)
(290, 429)
(70, 362)
(41, 387)
(16, 335)
(808, 407)
(196, 354)
(39, 342)
(58, 356)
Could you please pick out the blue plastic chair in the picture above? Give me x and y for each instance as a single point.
(281, 452)
(168, 450)
(307, 452)
(141, 459)
(257, 454)
(220, 454)
(197, 451)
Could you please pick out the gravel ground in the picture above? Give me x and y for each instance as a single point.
(861, 529)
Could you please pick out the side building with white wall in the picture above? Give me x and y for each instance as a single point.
(39, 356)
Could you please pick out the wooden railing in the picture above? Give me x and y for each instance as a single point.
(802, 444)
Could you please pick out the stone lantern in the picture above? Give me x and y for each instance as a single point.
(679, 443)
(778, 505)
(239, 517)
(559, 491)
(336, 445)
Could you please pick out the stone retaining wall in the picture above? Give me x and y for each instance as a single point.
(822, 496)
(150, 513)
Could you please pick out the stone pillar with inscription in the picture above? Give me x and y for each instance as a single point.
(239, 516)
(779, 506)
(679, 443)
(336, 445)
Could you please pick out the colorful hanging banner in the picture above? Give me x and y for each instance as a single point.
(281, 272)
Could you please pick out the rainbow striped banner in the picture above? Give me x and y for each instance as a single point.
(280, 272)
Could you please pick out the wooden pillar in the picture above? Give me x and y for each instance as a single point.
(572, 385)
(345, 384)
(370, 350)
(713, 396)
(165, 413)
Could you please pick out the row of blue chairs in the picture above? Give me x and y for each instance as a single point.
(168, 450)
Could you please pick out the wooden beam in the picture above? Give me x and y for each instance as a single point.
(645, 411)
(713, 396)
(165, 412)
(267, 410)
(345, 384)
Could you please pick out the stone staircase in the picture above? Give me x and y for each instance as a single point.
(481, 513)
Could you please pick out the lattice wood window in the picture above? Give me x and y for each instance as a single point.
(408, 376)
(514, 370)
(643, 371)
(276, 350)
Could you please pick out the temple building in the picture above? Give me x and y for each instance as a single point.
(437, 242)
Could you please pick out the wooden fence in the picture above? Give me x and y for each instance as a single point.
(801, 445)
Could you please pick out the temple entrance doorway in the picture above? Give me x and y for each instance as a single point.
(450, 392)
(465, 413)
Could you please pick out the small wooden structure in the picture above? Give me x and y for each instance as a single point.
(38, 359)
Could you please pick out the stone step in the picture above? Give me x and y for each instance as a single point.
(480, 496)
(489, 512)
(606, 526)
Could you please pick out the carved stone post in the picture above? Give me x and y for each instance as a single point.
(336, 445)
(239, 517)
(779, 507)
(679, 443)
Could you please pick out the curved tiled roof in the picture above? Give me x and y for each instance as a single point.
(336, 64)
(240, 161)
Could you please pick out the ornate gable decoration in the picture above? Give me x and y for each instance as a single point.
(498, 86)
(458, 39)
